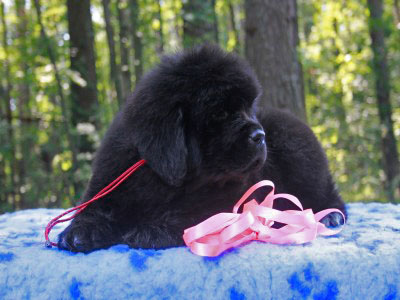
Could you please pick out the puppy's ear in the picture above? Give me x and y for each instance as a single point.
(162, 144)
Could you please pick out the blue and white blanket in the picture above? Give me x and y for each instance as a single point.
(362, 262)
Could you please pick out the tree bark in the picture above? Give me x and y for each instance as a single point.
(232, 22)
(22, 33)
(9, 115)
(114, 71)
(3, 187)
(27, 135)
(199, 22)
(215, 22)
(124, 47)
(270, 46)
(82, 56)
(390, 158)
(3, 180)
(84, 100)
(339, 107)
(136, 40)
(396, 8)
(3, 176)
(177, 27)
(160, 47)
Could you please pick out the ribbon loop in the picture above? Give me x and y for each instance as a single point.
(226, 230)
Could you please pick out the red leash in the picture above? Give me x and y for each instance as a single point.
(109, 188)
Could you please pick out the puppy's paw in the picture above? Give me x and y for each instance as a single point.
(75, 239)
(85, 238)
(333, 220)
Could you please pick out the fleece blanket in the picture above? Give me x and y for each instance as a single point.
(362, 262)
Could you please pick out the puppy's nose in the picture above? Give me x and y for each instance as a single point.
(257, 137)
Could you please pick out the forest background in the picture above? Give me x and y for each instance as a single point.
(66, 68)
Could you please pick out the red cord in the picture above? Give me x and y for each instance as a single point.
(109, 188)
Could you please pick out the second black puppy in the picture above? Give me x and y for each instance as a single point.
(193, 118)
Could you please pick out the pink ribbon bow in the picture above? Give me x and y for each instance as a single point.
(227, 230)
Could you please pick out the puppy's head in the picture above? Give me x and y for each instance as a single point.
(195, 112)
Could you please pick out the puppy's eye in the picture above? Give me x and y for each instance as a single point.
(222, 115)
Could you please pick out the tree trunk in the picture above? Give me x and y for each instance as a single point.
(339, 108)
(124, 47)
(391, 164)
(160, 47)
(27, 135)
(8, 112)
(22, 32)
(396, 8)
(270, 46)
(114, 71)
(84, 101)
(4, 187)
(83, 95)
(3, 140)
(232, 22)
(177, 27)
(199, 22)
(137, 39)
(215, 22)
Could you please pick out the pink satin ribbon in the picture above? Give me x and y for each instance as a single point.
(227, 230)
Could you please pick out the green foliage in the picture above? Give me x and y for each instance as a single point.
(336, 56)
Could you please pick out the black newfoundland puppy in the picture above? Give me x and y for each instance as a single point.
(194, 120)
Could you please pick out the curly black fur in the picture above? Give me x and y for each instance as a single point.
(193, 118)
